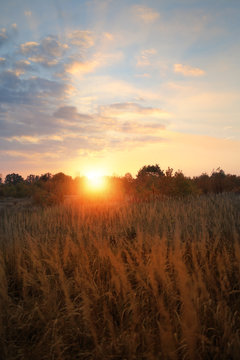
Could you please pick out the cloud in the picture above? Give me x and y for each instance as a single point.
(35, 90)
(2, 61)
(21, 66)
(44, 61)
(132, 119)
(84, 66)
(69, 55)
(36, 121)
(81, 67)
(108, 36)
(28, 47)
(24, 139)
(132, 110)
(146, 14)
(107, 87)
(3, 36)
(145, 58)
(52, 47)
(47, 52)
(68, 118)
(28, 13)
(70, 113)
(81, 38)
(136, 127)
(51, 52)
(30, 133)
(6, 35)
(25, 121)
(9, 80)
(146, 139)
(187, 70)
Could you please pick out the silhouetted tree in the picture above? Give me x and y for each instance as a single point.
(150, 170)
(148, 180)
(61, 178)
(217, 180)
(45, 177)
(203, 183)
(169, 172)
(128, 184)
(13, 179)
(1, 186)
(232, 183)
(31, 179)
(182, 185)
(128, 177)
(61, 184)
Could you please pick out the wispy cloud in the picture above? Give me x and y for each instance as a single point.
(89, 65)
(21, 66)
(82, 38)
(51, 46)
(29, 47)
(7, 34)
(146, 14)
(81, 67)
(133, 111)
(28, 13)
(3, 36)
(187, 70)
(43, 60)
(146, 56)
(70, 113)
(133, 127)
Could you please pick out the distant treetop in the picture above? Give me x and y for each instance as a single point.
(150, 170)
(13, 179)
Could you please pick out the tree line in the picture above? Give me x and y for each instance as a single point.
(151, 182)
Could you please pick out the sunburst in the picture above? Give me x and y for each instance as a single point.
(95, 180)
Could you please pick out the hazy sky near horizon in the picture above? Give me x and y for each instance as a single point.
(116, 85)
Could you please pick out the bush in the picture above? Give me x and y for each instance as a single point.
(44, 198)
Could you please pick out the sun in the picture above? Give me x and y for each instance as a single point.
(95, 180)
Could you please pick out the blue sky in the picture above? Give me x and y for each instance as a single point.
(115, 85)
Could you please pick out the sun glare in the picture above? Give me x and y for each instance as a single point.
(95, 181)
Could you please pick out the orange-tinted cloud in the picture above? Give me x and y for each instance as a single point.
(85, 66)
(43, 60)
(81, 67)
(82, 38)
(145, 58)
(187, 70)
(28, 47)
(132, 110)
(28, 13)
(146, 14)
(47, 53)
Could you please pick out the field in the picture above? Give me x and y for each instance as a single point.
(153, 280)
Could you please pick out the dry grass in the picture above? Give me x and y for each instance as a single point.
(159, 280)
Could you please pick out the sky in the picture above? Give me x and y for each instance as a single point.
(115, 85)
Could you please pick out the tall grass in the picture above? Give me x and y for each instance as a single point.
(158, 280)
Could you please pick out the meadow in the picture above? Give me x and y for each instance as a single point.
(148, 280)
